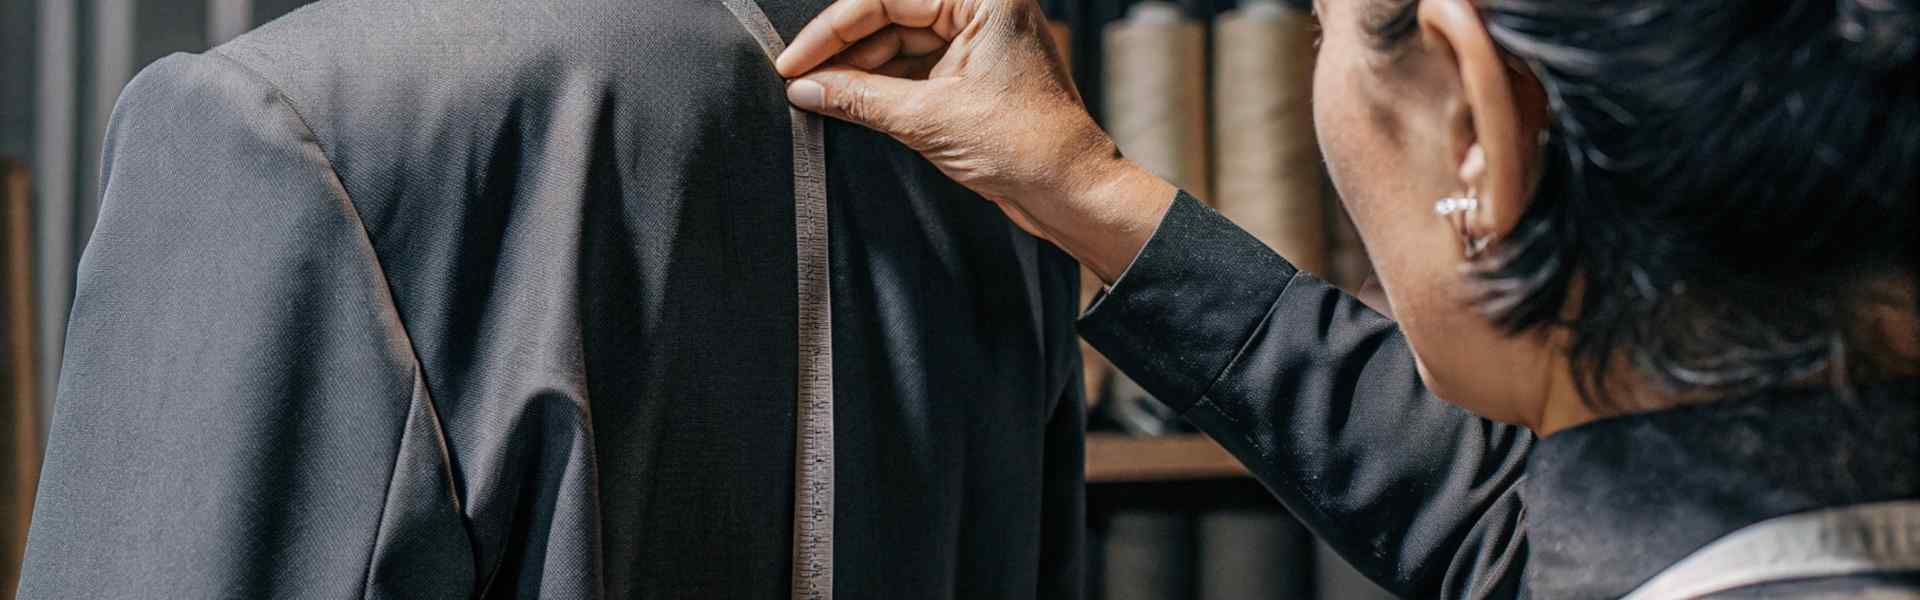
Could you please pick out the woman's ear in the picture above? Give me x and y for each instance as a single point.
(1506, 111)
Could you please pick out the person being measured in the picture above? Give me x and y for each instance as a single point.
(1651, 267)
(504, 299)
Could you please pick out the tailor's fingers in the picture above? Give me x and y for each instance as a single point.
(871, 51)
(846, 22)
(889, 44)
(869, 99)
(909, 67)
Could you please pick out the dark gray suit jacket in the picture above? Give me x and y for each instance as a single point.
(448, 298)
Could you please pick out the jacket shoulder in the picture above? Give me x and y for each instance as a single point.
(196, 92)
(408, 62)
(202, 106)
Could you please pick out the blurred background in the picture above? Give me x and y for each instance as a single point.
(1212, 94)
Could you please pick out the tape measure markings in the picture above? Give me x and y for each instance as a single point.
(813, 477)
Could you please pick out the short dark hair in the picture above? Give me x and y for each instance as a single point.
(1724, 180)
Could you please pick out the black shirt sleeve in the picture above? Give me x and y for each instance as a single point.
(1319, 396)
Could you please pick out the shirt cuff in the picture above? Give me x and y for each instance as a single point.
(1179, 315)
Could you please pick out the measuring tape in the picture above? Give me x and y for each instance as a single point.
(813, 419)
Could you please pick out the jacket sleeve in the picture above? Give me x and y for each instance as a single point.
(240, 414)
(1319, 396)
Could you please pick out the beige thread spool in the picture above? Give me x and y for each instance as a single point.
(1268, 177)
(1155, 64)
(1156, 93)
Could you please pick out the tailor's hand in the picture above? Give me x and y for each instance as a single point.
(978, 87)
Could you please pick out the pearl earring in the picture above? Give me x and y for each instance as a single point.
(1455, 209)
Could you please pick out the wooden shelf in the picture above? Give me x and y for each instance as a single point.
(1122, 458)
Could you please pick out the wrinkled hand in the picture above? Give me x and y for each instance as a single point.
(979, 88)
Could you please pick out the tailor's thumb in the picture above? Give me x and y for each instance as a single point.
(855, 96)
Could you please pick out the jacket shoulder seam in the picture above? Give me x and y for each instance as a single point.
(338, 186)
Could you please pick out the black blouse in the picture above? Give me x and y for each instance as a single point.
(1318, 395)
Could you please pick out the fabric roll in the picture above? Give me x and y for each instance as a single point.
(1156, 93)
(1268, 177)
(19, 400)
(1246, 554)
(1149, 555)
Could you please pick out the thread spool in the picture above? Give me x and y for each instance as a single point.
(1268, 178)
(1155, 61)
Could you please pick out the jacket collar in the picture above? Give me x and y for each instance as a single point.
(1613, 502)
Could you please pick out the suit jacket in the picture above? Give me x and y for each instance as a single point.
(1318, 395)
(454, 298)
